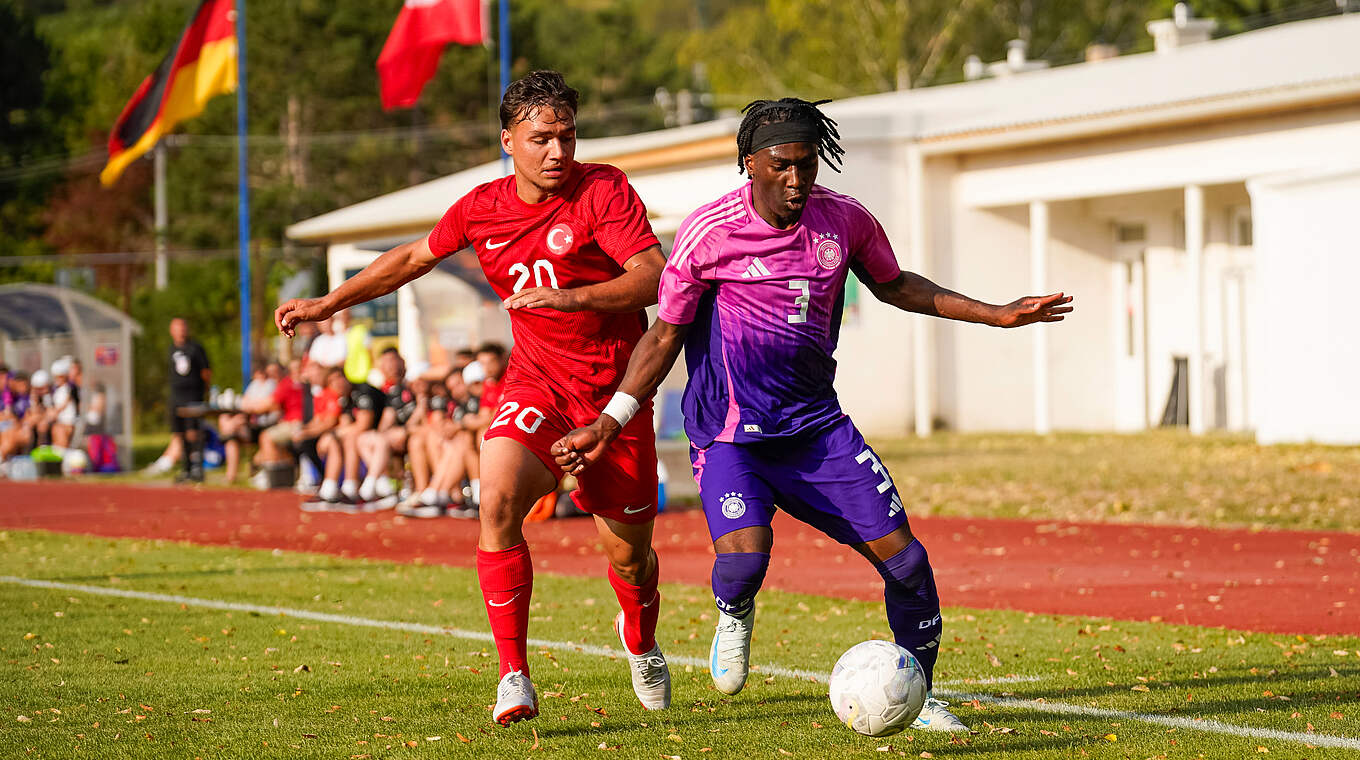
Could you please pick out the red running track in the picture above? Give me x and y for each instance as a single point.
(1275, 581)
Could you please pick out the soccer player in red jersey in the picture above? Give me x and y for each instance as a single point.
(569, 249)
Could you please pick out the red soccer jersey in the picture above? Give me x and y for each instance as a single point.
(288, 395)
(326, 404)
(580, 237)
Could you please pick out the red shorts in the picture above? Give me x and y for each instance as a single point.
(622, 485)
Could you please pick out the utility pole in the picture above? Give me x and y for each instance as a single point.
(162, 270)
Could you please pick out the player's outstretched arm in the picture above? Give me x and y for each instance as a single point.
(652, 360)
(634, 289)
(914, 293)
(387, 273)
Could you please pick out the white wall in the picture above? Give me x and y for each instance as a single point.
(1081, 357)
(874, 358)
(1308, 264)
(989, 372)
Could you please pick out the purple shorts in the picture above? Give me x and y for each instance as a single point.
(832, 481)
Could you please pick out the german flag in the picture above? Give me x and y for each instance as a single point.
(202, 65)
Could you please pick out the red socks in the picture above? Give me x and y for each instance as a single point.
(641, 607)
(507, 580)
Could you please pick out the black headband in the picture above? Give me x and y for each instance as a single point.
(781, 132)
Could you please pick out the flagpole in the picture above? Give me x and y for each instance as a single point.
(504, 49)
(242, 192)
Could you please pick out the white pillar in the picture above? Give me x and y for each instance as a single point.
(1038, 275)
(921, 363)
(1194, 251)
(410, 338)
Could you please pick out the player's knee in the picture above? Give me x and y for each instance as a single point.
(631, 563)
(737, 577)
(501, 514)
(907, 576)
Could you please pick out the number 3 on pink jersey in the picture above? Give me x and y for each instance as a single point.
(801, 301)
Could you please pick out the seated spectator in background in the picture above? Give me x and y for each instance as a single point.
(450, 448)
(5, 395)
(389, 437)
(361, 410)
(424, 437)
(38, 421)
(255, 411)
(13, 413)
(328, 347)
(291, 407)
(330, 444)
(65, 412)
(494, 359)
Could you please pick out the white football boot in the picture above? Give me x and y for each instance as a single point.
(729, 657)
(516, 699)
(936, 717)
(651, 675)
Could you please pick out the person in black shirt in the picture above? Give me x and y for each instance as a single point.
(390, 437)
(190, 375)
(360, 405)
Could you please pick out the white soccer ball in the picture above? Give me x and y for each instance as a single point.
(75, 462)
(877, 688)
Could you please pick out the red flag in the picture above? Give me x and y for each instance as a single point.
(411, 53)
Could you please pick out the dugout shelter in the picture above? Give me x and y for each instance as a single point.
(41, 323)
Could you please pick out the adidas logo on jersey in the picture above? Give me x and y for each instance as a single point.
(757, 269)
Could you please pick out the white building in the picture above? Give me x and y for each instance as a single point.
(1193, 199)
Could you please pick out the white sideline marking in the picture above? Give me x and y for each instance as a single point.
(1062, 708)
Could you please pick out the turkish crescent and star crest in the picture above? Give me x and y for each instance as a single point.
(560, 238)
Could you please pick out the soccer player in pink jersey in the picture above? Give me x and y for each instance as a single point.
(753, 292)
(568, 247)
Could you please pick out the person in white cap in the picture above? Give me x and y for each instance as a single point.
(65, 411)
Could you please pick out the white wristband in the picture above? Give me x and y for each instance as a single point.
(622, 408)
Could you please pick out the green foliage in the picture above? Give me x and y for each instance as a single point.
(838, 48)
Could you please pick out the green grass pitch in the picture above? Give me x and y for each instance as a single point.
(99, 676)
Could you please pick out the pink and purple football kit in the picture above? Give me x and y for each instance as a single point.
(764, 308)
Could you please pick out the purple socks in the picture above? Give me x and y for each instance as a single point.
(913, 606)
(736, 579)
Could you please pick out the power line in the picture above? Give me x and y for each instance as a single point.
(456, 130)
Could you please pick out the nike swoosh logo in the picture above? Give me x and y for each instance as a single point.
(504, 603)
(491, 245)
(633, 511)
(648, 604)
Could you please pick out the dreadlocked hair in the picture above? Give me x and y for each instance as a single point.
(761, 112)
